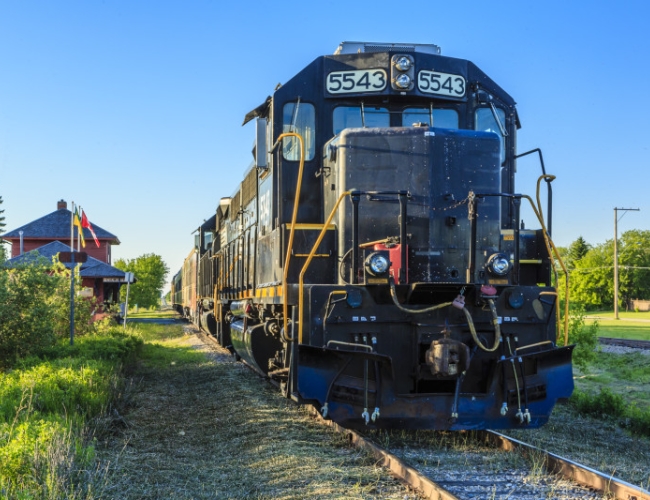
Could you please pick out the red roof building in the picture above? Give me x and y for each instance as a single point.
(50, 235)
(56, 227)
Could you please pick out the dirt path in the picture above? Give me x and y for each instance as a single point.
(209, 428)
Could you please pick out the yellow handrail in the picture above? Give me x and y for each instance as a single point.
(301, 294)
(294, 216)
(551, 249)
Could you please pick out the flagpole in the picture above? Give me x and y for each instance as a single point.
(72, 264)
(72, 228)
(79, 235)
(79, 229)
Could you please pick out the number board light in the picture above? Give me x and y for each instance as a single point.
(443, 84)
(356, 82)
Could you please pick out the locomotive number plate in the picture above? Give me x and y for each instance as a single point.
(347, 82)
(432, 82)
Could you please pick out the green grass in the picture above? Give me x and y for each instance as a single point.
(163, 344)
(146, 313)
(615, 386)
(630, 325)
(153, 332)
(47, 406)
(626, 375)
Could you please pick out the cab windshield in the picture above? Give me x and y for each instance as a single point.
(371, 116)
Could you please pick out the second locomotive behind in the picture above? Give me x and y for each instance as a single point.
(373, 259)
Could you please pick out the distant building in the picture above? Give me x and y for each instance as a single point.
(56, 227)
(50, 235)
(104, 280)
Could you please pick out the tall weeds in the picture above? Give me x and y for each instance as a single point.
(47, 407)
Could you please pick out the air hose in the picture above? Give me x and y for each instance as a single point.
(459, 303)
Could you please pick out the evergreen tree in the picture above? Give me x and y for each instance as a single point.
(577, 250)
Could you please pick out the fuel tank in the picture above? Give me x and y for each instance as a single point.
(254, 344)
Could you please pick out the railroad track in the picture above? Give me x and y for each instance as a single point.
(487, 464)
(481, 465)
(635, 344)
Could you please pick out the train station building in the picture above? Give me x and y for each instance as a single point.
(50, 235)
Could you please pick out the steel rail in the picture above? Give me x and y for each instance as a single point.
(634, 343)
(554, 464)
(574, 471)
(405, 473)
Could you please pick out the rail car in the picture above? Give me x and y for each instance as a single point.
(373, 260)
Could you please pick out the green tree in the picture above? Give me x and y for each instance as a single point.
(634, 265)
(576, 251)
(592, 278)
(592, 275)
(150, 272)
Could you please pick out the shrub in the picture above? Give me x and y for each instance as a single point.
(605, 403)
(39, 457)
(585, 337)
(35, 310)
(638, 421)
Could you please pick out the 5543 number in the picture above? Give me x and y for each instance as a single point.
(431, 82)
(344, 82)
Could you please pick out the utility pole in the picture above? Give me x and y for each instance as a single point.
(616, 254)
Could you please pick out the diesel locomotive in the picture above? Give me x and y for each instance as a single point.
(374, 262)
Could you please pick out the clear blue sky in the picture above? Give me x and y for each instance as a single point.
(133, 109)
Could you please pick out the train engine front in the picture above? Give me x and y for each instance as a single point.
(440, 318)
(412, 295)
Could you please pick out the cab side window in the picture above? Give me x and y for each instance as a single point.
(486, 121)
(299, 117)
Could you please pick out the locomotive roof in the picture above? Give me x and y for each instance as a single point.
(303, 81)
(359, 47)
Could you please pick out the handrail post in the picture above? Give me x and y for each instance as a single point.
(355, 237)
(471, 215)
(402, 237)
(301, 278)
(516, 208)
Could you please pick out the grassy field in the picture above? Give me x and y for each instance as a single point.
(146, 313)
(630, 325)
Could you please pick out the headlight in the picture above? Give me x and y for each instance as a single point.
(498, 264)
(377, 264)
(403, 63)
(403, 82)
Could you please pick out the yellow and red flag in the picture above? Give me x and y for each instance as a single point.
(77, 222)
